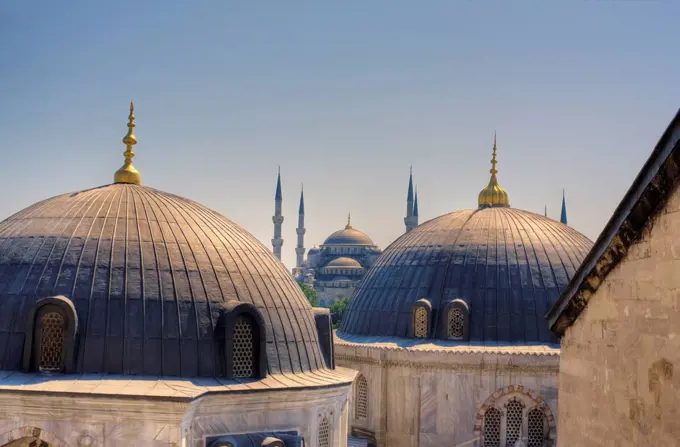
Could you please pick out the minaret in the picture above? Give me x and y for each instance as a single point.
(563, 216)
(277, 218)
(127, 173)
(300, 249)
(409, 221)
(415, 208)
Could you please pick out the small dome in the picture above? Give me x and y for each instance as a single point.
(147, 273)
(509, 266)
(344, 262)
(348, 236)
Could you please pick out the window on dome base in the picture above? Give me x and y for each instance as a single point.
(420, 318)
(361, 397)
(243, 346)
(457, 320)
(51, 330)
(240, 336)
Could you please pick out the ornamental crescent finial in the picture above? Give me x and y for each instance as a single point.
(128, 173)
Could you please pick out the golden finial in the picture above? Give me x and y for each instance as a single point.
(493, 194)
(127, 173)
(349, 225)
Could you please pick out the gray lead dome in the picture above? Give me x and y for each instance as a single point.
(148, 273)
(508, 265)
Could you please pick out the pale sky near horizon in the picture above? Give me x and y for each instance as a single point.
(345, 96)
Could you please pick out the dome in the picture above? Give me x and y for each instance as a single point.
(344, 262)
(348, 236)
(148, 274)
(509, 266)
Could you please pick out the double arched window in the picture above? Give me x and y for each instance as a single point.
(240, 335)
(511, 421)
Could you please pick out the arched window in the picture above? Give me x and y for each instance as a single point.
(420, 318)
(492, 428)
(456, 323)
(51, 330)
(513, 421)
(243, 347)
(324, 433)
(456, 320)
(536, 428)
(420, 322)
(361, 397)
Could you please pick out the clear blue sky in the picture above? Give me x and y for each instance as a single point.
(344, 96)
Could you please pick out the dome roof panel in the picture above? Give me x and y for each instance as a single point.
(508, 265)
(147, 272)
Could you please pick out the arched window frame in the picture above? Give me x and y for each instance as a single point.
(224, 334)
(425, 304)
(361, 398)
(529, 401)
(455, 304)
(32, 344)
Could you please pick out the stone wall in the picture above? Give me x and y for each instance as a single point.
(428, 399)
(619, 373)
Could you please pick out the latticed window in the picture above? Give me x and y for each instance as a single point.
(535, 428)
(513, 422)
(420, 322)
(324, 433)
(362, 397)
(456, 327)
(492, 428)
(52, 328)
(243, 345)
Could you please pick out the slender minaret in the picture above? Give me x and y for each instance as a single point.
(415, 208)
(563, 216)
(409, 221)
(300, 249)
(277, 218)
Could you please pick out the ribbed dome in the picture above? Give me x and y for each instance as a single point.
(147, 272)
(508, 265)
(348, 236)
(344, 262)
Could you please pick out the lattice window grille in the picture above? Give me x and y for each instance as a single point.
(243, 358)
(456, 323)
(535, 428)
(420, 322)
(324, 433)
(492, 428)
(362, 398)
(513, 422)
(52, 327)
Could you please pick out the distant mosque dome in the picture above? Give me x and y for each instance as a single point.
(344, 262)
(484, 275)
(348, 236)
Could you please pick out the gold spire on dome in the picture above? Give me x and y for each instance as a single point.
(127, 173)
(493, 194)
(349, 225)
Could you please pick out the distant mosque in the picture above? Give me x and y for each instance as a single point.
(337, 266)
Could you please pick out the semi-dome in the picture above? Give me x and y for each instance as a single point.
(344, 262)
(508, 265)
(147, 278)
(348, 236)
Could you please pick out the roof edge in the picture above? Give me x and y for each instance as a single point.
(649, 191)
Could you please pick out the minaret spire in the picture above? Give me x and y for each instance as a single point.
(563, 215)
(545, 213)
(493, 194)
(277, 218)
(300, 249)
(415, 207)
(410, 221)
(127, 173)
